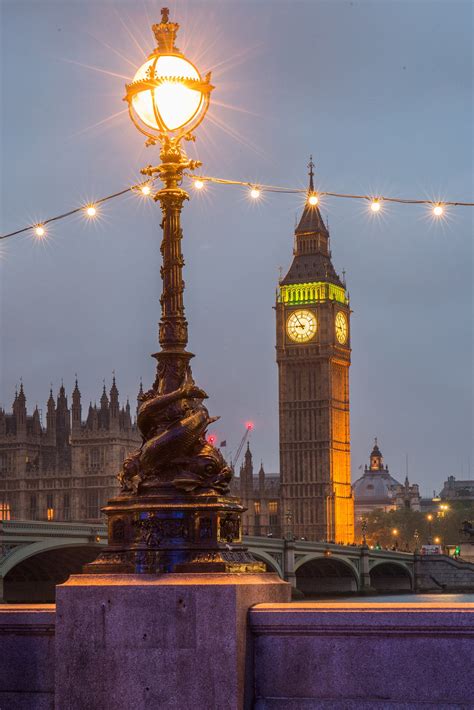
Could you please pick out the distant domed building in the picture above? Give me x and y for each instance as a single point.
(378, 490)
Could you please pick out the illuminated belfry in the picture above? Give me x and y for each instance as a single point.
(313, 356)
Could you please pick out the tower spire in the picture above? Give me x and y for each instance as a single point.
(312, 260)
(311, 174)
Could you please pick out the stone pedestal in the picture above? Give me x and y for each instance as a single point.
(143, 641)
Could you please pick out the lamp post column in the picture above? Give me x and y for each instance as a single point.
(173, 360)
(173, 332)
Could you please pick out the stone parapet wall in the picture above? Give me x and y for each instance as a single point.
(363, 656)
(305, 656)
(27, 657)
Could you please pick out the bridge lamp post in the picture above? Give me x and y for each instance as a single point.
(174, 513)
(416, 537)
(429, 518)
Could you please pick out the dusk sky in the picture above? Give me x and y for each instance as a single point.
(381, 94)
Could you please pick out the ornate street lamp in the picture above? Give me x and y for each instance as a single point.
(416, 536)
(289, 525)
(174, 512)
(167, 98)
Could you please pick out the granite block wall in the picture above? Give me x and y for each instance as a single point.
(27, 657)
(307, 656)
(338, 656)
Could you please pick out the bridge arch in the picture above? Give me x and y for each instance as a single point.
(272, 564)
(32, 572)
(391, 576)
(318, 574)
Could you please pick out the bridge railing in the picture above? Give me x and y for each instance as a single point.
(309, 533)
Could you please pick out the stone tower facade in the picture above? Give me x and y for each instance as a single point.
(313, 356)
(68, 469)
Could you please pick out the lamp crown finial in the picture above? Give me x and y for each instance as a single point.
(165, 33)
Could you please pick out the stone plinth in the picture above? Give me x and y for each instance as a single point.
(363, 656)
(172, 641)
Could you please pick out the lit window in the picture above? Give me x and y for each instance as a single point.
(5, 513)
(273, 507)
(49, 507)
(257, 507)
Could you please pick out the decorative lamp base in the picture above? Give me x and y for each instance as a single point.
(160, 533)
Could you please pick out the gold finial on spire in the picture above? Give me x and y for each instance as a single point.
(311, 173)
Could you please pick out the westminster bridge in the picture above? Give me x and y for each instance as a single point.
(35, 556)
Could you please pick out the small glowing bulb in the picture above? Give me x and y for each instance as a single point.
(198, 184)
(313, 199)
(255, 193)
(40, 231)
(146, 189)
(438, 210)
(375, 205)
(91, 211)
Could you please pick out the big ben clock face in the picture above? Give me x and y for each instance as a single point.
(340, 325)
(301, 326)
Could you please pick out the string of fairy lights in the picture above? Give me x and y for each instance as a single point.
(375, 203)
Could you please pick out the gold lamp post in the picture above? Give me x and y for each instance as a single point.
(174, 512)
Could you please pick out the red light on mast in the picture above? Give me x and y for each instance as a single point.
(211, 439)
(249, 425)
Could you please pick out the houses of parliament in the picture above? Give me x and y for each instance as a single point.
(67, 469)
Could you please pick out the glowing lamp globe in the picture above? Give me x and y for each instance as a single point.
(167, 95)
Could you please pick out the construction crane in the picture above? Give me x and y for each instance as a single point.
(248, 429)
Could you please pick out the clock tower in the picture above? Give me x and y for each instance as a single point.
(313, 356)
